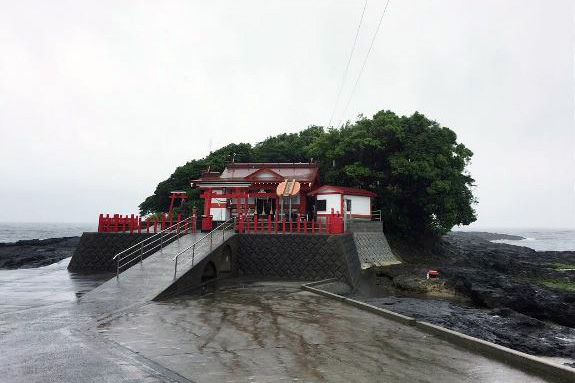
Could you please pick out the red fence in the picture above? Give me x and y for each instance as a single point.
(324, 225)
(327, 224)
(118, 223)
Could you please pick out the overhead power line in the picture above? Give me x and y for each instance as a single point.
(364, 62)
(347, 66)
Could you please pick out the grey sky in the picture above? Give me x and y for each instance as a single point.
(101, 100)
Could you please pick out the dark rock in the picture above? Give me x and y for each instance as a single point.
(499, 291)
(36, 252)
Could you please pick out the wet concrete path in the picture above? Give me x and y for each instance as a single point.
(242, 332)
(144, 281)
(274, 332)
(46, 335)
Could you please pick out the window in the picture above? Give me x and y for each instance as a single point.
(320, 205)
(347, 205)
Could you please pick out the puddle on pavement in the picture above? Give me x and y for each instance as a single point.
(35, 287)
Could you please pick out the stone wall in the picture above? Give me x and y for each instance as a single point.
(371, 245)
(365, 226)
(295, 257)
(223, 258)
(298, 257)
(95, 251)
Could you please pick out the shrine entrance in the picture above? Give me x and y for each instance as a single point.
(265, 206)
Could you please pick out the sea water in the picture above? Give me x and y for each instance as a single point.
(26, 288)
(12, 232)
(540, 239)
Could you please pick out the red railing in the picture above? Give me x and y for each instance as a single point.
(324, 225)
(118, 223)
(327, 224)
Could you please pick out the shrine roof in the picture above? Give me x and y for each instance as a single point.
(329, 189)
(263, 172)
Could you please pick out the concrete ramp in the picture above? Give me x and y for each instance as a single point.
(371, 244)
(144, 281)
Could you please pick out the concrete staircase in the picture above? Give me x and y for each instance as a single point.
(371, 244)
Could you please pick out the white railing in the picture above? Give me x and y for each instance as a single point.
(137, 251)
(182, 258)
(376, 215)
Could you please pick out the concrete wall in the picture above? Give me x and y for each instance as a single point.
(333, 201)
(298, 257)
(223, 258)
(95, 251)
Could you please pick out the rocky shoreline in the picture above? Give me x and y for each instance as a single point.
(509, 295)
(36, 252)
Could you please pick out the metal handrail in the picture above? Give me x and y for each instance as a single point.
(138, 248)
(229, 222)
(376, 215)
(152, 236)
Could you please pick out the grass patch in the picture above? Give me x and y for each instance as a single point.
(557, 284)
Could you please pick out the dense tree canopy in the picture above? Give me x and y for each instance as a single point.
(415, 166)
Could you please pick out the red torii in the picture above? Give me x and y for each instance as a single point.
(174, 195)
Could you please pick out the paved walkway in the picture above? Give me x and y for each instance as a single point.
(275, 332)
(52, 338)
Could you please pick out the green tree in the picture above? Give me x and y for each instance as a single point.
(180, 179)
(416, 167)
(287, 147)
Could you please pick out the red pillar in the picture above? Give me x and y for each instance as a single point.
(276, 224)
(238, 201)
(206, 219)
(172, 198)
(246, 210)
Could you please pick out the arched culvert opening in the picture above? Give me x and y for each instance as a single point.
(210, 272)
(226, 259)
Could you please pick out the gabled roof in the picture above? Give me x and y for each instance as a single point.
(329, 189)
(264, 172)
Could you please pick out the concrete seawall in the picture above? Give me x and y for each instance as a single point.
(95, 251)
(289, 257)
(298, 257)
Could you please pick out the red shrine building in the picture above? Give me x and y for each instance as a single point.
(285, 190)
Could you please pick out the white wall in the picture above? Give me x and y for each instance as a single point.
(219, 214)
(360, 205)
(332, 201)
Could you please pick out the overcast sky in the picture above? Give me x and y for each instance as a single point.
(101, 100)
